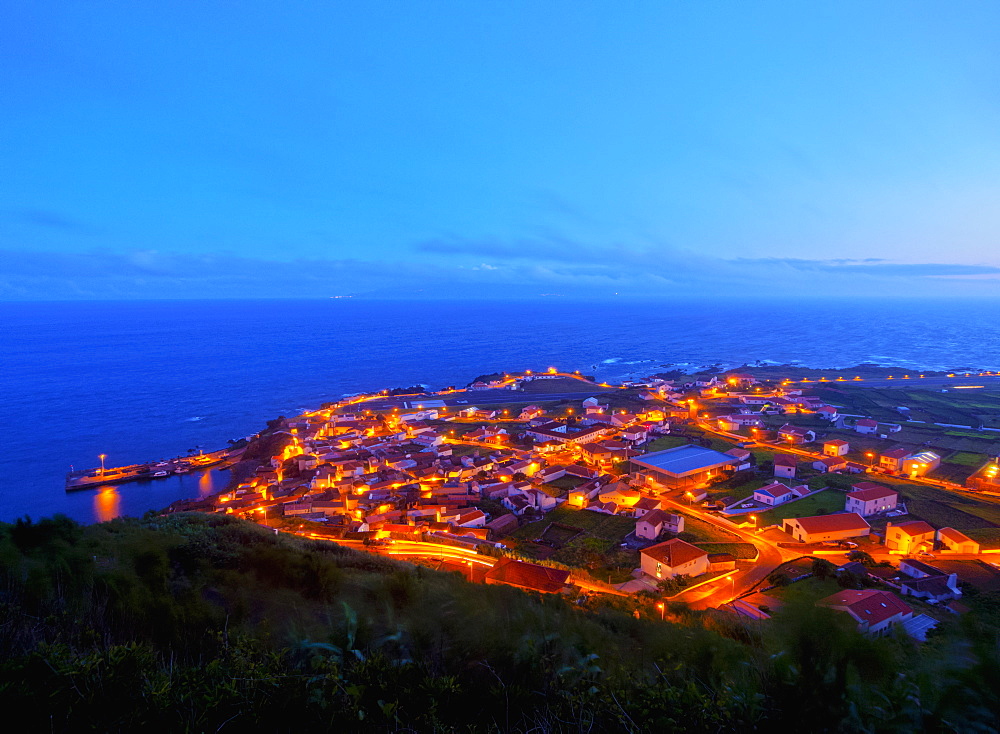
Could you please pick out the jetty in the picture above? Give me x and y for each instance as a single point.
(89, 478)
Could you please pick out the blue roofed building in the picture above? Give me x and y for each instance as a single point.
(683, 467)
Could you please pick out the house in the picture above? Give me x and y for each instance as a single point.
(866, 425)
(828, 412)
(742, 457)
(775, 494)
(892, 460)
(830, 464)
(635, 434)
(673, 558)
(472, 519)
(909, 537)
(619, 493)
(646, 505)
(870, 499)
(836, 447)
(721, 562)
(652, 524)
(502, 525)
(928, 582)
(528, 576)
(518, 503)
(682, 467)
(826, 527)
(921, 463)
(795, 435)
(785, 465)
(956, 542)
(874, 611)
(531, 411)
(738, 421)
(567, 433)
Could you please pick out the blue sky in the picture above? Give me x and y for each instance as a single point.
(468, 149)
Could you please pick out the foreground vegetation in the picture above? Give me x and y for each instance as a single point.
(204, 623)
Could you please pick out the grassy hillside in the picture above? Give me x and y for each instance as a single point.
(205, 623)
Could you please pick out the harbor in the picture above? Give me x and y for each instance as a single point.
(103, 476)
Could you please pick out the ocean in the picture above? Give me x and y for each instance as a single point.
(147, 380)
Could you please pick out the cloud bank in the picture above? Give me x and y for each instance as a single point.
(480, 269)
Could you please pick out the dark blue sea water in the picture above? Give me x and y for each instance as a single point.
(148, 380)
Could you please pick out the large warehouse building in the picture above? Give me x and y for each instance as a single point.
(682, 467)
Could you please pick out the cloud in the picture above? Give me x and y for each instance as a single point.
(50, 220)
(877, 267)
(585, 272)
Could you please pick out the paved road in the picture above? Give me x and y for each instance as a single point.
(726, 588)
(915, 382)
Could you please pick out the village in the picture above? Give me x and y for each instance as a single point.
(724, 491)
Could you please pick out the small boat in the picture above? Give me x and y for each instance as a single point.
(160, 473)
(181, 470)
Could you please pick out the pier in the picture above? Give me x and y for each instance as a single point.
(89, 478)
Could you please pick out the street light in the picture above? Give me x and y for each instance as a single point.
(732, 578)
(661, 606)
(102, 457)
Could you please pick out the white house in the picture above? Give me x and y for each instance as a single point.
(836, 447)
(785, 466)
(673, 558)
(866, 425)
(650, 525)
(870, 499)
(776, 494)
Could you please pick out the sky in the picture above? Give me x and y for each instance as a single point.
(502, 149)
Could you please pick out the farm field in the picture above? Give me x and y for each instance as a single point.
(603, 532)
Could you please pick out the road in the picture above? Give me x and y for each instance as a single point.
(913, 381)
(742, 579)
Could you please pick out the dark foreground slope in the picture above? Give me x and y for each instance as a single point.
(204, 623)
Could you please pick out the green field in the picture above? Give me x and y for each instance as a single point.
(665, 442)
(740, 487)
(822, 503)
(966, 458)
(742, 551)
(699, 531)
(609, 529)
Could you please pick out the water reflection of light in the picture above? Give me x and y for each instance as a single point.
(205, 483)
(106, 504)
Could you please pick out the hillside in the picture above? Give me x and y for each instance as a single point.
(203, 623)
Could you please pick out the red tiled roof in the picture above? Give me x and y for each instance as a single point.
(896, 453)
(867, 422)
(528, 575)
(869, 605)
(674, 552)
(873, 493)
(655, 517)
(835, 442)
(785, 460)
(868, 485)
(833, 523)
(914, 527)
(775, 489)
(953, 535)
